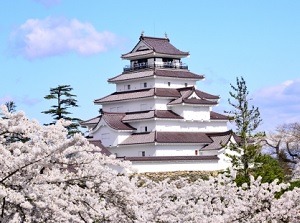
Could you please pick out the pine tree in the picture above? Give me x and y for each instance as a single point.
(64, 101)
(247, 119)
(11, 106)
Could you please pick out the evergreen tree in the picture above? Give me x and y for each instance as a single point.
(11, 106)
(246, 119)
(64, 100)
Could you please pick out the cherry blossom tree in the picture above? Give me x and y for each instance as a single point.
(46, 176)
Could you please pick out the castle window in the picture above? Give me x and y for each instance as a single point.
(185, 84)
(145, 84)
(146, 129)
(128, 86)
(142, 153)
(169, 84)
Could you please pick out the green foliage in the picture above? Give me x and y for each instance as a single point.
(247, 119)
(264, 166)
(268, 168)
(64, 101)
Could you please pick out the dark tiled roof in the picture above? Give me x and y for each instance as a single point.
(139, 138)
(175, 73)
(162, 45)
(167, 137)
(217, 116)
(220, 139)
(170, 158)
(144, 93)
(205, 95)
(114, 120)
(98, 143)
(163, 114)
(201, 99)
(158, 45)
(182, 137)
(92, 121)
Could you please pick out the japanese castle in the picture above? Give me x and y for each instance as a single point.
(157, 118)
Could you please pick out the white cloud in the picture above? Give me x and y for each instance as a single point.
(279, 104)
(54, 36)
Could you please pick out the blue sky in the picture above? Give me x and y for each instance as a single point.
(46, 43)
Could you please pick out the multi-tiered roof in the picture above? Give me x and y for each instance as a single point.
(157, 92)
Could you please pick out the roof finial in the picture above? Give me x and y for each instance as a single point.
(142, 35)
(166, 35)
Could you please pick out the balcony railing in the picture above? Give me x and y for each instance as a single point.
(145, 65)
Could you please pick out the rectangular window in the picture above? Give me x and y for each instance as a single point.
(185, 84)
(142, 153)
(169, 84)
(146, 129)
(128, 87)
(145, 84)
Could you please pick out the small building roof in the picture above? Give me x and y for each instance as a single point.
(150, 45)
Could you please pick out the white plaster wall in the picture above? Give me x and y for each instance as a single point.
(136, 105)
(130, 106)
(142, 167)
(177, 150)
(174, 83)
(196, 113)
(135, 85)
(140, 126)
(133, 150)
(110, 137)
(189, 126)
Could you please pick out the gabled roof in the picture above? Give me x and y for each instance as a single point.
(190, 95)
(166, 137)
(173, 73)
(154, 45)
(220, 139)
(114, 120)
(91, 122)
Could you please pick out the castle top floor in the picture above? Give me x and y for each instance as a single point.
(152, 52)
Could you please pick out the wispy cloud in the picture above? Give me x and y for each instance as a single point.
(55, 36)
(24, 100)
(48, 3)
(279, 104)
(5, 99)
